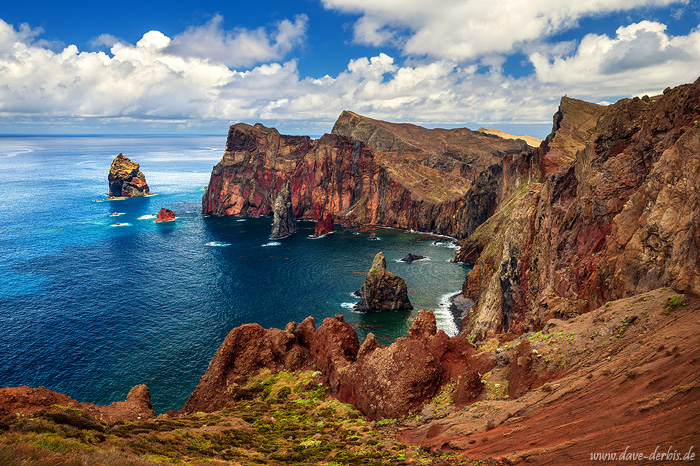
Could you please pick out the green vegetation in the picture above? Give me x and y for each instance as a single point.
(278, 419)
(674, 302)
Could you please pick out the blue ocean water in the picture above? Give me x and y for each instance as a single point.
(90, 309)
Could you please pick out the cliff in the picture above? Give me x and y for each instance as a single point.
(612, 214)
(366, 172)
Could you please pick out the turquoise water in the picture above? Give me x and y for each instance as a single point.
(90, 309)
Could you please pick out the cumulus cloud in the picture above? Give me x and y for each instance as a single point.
(641, 57)
(467, 29)
(240, 47)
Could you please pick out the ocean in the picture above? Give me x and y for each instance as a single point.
(91, 309)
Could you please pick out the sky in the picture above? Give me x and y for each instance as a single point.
(197, 67)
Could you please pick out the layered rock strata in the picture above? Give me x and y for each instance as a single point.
(367, 172)
(613, 213)
(382, 290)
(284, 222)
(125, 178)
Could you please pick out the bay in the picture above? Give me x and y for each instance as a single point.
(90, 309)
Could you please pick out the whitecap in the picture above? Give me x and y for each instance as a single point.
(444, 318)
(147, 217)
(350, 306)
(241, 220)
(272, 243)
(217, 244)
(120, 225)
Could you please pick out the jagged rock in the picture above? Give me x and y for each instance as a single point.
(285, 223)
(324, 226)
(469, 387)
(165, 215)
(125, 178)
(382, 290)
(412, 257)
(334, 347)
(614, 215)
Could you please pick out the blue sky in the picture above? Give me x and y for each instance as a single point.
(157, 67)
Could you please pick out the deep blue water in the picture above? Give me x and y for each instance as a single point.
(89, 309)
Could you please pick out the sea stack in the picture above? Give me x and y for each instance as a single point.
(382, 290)
(285, 223)
(324, 226)
(165, 215)
(125, 178)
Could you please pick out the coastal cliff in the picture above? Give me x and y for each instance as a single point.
(366, 172)
(612, 214)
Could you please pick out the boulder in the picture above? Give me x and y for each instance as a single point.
(324, 226)
(412, 257)
(125, 178)
(165, 215)
(285, 222)
(382, 290)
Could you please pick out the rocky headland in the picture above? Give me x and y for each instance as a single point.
(126, 179)
(582, 337)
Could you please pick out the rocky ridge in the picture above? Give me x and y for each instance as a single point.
(366, 172)
(612, 213)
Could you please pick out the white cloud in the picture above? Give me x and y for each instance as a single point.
(467, 29)
(641, 57)
(240, 47)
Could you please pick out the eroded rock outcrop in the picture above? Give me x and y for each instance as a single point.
(284, 222)
(613, 214)
(165, 215)
(125, 178)
(324, 226)
(367, 172)
(382, 290)
(28, 401)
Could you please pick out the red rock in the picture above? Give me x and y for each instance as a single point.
(324, 226)
(469, 387)
(165, 215)
(334, 347)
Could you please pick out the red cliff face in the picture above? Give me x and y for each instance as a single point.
(619, 219)
(367, 172)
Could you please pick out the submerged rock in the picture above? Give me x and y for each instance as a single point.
(324, 226)
(412, 257)
(165, 215)
(285, 222)
(373, 236)
(382, 290)
(125, 178)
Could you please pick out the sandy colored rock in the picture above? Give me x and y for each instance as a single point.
(125, 178)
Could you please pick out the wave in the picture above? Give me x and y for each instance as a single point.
(217, 244)
(446, 244)
(350, 306)
(147, 217)
(241, 220)
(272, 243)
(121, 225)
(425, 259)
(15, 153)
(443, 316)
(116, 214)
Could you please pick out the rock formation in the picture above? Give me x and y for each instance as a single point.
(165, 215)
(410, 257)
(382, 290)
(284, 223)
(125, 178)
(367, 172)
(606, 208)
(324, 226)
(29, 401)
(381, 381)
